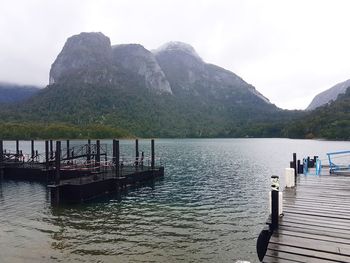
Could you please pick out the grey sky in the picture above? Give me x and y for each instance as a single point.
(289, 50)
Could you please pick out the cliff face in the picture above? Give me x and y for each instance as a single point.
(139, 61)
(329, 95)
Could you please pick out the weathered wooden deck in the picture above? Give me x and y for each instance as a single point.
(316, 222)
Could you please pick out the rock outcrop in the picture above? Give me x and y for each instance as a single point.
(329, 95)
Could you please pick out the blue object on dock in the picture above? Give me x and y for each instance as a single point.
(318, 166)
(305, 166)
(336, 167)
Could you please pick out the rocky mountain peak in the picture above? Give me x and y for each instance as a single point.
(177, 46)
(85, 52)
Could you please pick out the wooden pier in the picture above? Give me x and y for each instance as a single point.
(80, 173)
(315, 224)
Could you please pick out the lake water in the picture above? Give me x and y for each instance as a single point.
(210, 207)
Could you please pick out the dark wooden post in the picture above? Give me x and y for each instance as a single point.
(274, 202)
(1, 158)
(88, 154)
(152, 153)
(58, 162)
(51, 149)
(68, 150)
(295, 165)
(17, 149)
(113, 150)
(137, 151)
(32, 148)
(98, 157)
(298, 165)
(47, 154)
(117, 156)
(1, 152)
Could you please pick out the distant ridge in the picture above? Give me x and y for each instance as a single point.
(329, 95)
(11, 93)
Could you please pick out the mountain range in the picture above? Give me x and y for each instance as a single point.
(11, 93)
(103, 90)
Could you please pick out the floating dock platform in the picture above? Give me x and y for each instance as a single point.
(80, 173)
(315, 224)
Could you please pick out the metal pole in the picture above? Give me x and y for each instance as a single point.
(274, 202)
(58, 162)
(152, 154)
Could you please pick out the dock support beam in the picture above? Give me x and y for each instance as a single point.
(1, 159)
(58, 162)
(136, 152)
(88, 154)
(68, 150)
(32, 148)
(51, 149)
(295, 167)
(152, 154)
(274, 202)
(98, 153)
(47, 154)
(17, 150)
(116, 157)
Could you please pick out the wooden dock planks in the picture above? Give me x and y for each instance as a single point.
(316, 222)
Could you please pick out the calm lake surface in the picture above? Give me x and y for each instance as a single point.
(210, 207)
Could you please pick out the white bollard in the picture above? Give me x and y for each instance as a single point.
(289, 177)
(280, 203)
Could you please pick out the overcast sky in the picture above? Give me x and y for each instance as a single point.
(289, 50)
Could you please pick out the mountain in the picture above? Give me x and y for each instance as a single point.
(329, 95)
(330, 121)
(167, 92)
(11, 93)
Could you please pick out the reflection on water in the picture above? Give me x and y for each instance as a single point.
(210, 207)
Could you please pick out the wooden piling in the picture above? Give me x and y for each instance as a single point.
(51, 149)
(58, 162)
(88, 154)
(152, 154)
(274, 203)
(1, 158)
(114, 151)
(98, 153)
(295, 165)
(117, 157)
(68, 150)
(136, 151)
(47, 155)
(32, 149)
(17, 149)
